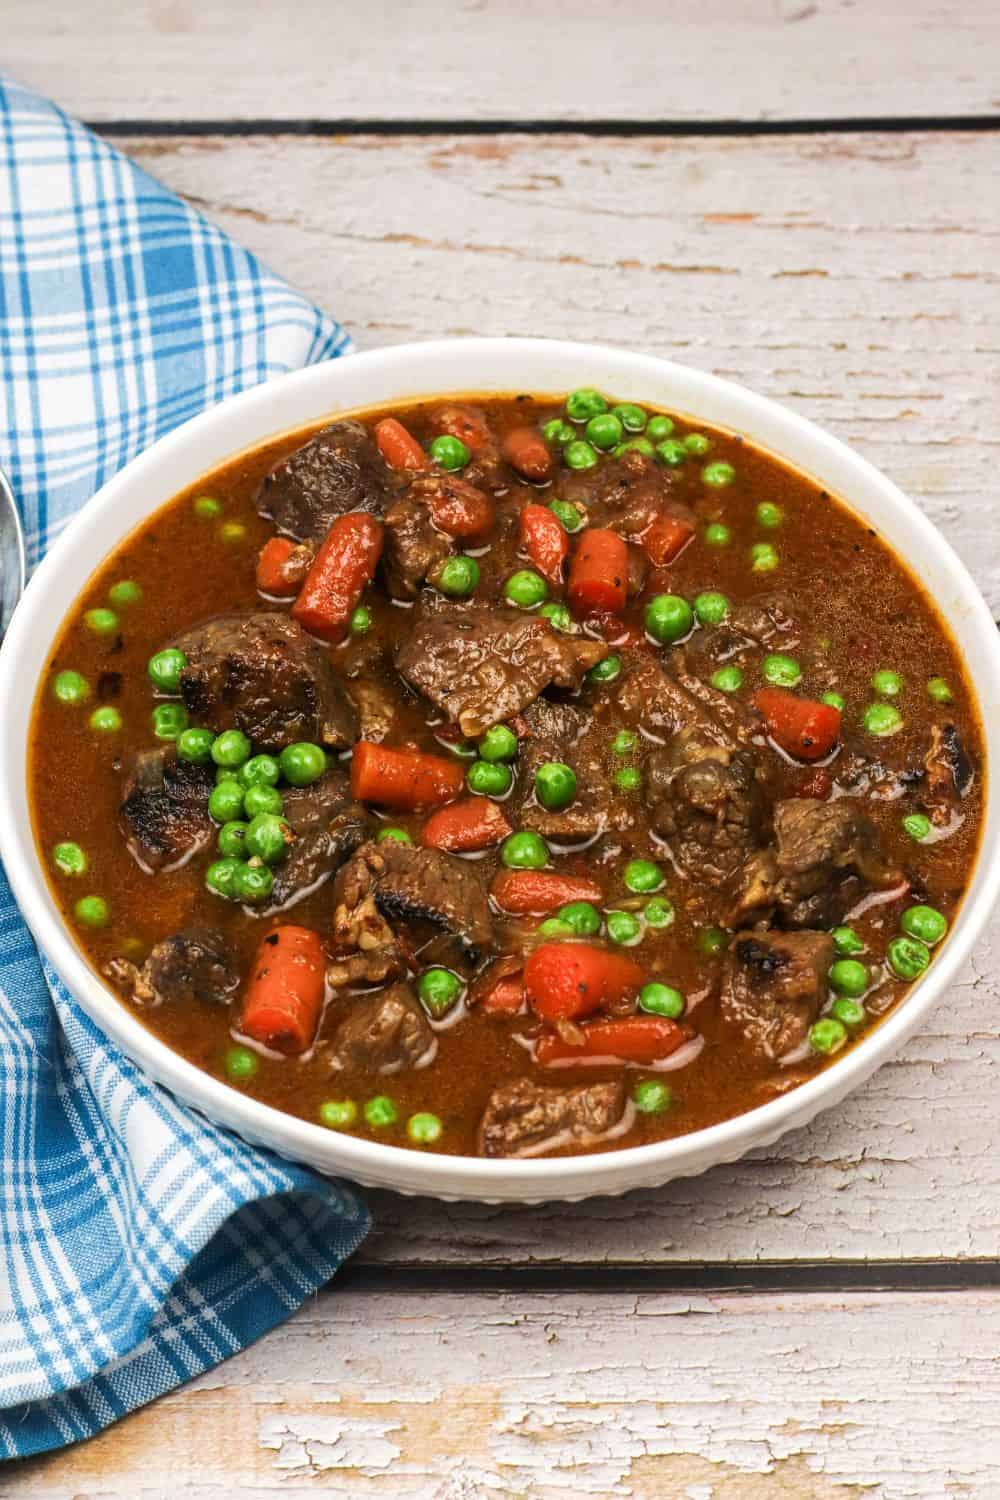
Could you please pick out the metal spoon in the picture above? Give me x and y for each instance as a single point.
(11, 554)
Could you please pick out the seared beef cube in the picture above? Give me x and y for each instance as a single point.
(524, 1119)
(374, 704)
(825, 856)
(383, 1034)
(413, 545)
(327, 827)
(666, 699)
(398, 882)
(707, 804)
(164, 811)
(774, 987)
(338, 470)
(949, 769)
(560, 732)
(195, 965)
(766, 622)
(261, 673)
(483, 665)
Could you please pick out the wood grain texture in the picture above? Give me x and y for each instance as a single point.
(687, 60)
(540, 1398)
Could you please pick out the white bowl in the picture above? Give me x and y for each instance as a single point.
(502, 365)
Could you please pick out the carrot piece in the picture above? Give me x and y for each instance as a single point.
(526, 451)
(565, 981)
(345, 564)
(398, 447)
(546, 542)
(282, 1005)
(535, 892)
(506, 997)
(457, 507)
(281, 567)
(404, 779)
(466, 423)
(465, 827)
(637, 1039)
(598, 573)
(666, 538)
(799, 726)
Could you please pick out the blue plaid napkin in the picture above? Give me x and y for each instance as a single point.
(138, 1244)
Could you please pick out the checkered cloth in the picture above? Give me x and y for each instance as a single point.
(138, 1244)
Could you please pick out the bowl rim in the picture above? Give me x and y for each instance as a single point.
(470, 1176)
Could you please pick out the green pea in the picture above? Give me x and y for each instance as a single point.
(438, 990)
(101, 621)
(225, 804)
(658, 428)
(636, 445)
(624, 742)
(881, 719)
(241, 1064)
(220, 877)
(105, 720)
(555, 785)
(697, 443)
(908, 957)
(498, 743)
(718, 474)
(232, 533)
(526, 589)
(834, 700)
(557, 431)
(827, 1036)
(450, 452)
(168, 720)
(661, 1000)
(769, 515)
(925, 923)
(846, 942)
(69, 859)
(623, 927)
(580, 455)
(671, 453)
(632, 418)
(489, 778)
(70, 688)
(232, 840)
(555, 927)
(668, 618)
(727, 679)
(583, 919)
(606, 670)
(524, 851)
(918, 826)
(424, 1129)
(659, 913)
(253, 883)
(207, 507)
(259, 770)
(848, 977)
(361, 620)
(763, 557)
(393, 836)
(628, 779)
(302, 763)
(887, 684)
(712, 941)
(226, 773)
(558, 617)
(781, 671)
(261, 798)
(651, 1097)
(338, 1114)
(604, 431)
(711, 608)
(642, 877)
(268, 837)
(585, 403)
(848, 1012)
(231, 749)
(92, 911)
(571, 518)
(457, 577)
(165, 668)
(938, 690)
(195, 746)
(718, 535)
(124, 593)
(380, 1112)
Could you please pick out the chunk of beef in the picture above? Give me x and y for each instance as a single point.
(383, 1034)
(766, 622)
(949, 770)
(338, 470)
(825, 855)
(664, 698)
(164, 811)
(774, 986)
(524, 1119)
(261, 673)
(561, 732)
(706, 802)
(413, 545)
(393, 881)
(375, 706)
(327, 827)
(483, 665)
(194, 965)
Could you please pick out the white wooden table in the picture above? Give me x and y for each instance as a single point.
(800, 194)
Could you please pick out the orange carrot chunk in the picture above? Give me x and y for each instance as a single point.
(465, 827)
(398, 447)
(666, 538)
(526, 451)
(638, 1039)
(598, 573)
(345, 564)
(404, 779)
(546, 542)
(799, 726)
(505, 998)
(457, 507)
(466, 423)
(282, 1005)
(565, 981)
(271, 576)
(535, 892)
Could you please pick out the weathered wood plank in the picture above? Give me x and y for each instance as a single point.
(487, 1398)
(508, 59)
